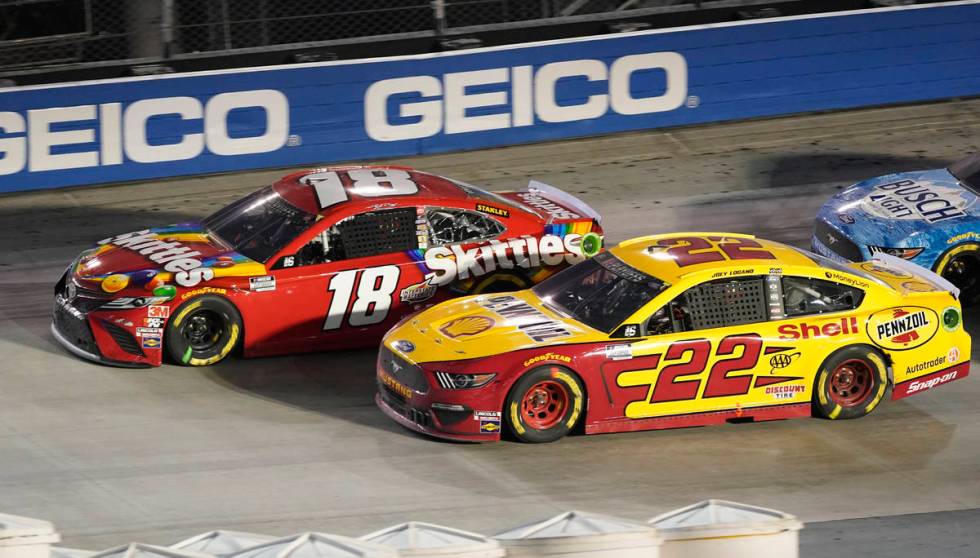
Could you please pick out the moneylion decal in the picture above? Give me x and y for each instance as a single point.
(902, 328)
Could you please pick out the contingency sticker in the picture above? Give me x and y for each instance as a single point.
(262, 283)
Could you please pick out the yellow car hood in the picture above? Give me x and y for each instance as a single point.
(486, 325)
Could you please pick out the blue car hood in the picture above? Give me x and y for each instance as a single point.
(902, 206)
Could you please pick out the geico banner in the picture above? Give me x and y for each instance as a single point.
(141, 128)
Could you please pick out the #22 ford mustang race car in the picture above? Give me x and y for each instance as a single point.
(931, 218)
(321, 259)
(673, 331)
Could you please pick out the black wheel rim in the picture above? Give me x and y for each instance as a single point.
(203, 330)
(962, 271)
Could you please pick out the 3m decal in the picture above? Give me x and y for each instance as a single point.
(547, 357)
(456, 262)
(375, 287)
(330, 189)
(831, 328)
(173, 256)
(912, 200)
(902, 328)
(158, 312)
(466, 326)
(491, 210)
(693, 250)
(531, 321)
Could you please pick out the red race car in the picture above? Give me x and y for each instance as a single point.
(321, 259)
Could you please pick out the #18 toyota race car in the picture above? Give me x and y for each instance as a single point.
(321, 259)
(674, 331)
(931, 218)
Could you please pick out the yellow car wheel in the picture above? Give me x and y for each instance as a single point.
(501, 283)
(203, 331)
(851, 383)
(960, 265)
(545, 404)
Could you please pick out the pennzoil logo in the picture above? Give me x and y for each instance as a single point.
(547, 356)
(903, 328)
(466, 326)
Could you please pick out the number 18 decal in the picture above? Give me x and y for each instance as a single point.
(373, 296)
(369, 183)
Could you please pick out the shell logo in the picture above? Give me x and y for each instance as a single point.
(469, 325)
(899, 329)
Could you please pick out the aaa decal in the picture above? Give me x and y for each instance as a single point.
(902, 328)
(466, 326)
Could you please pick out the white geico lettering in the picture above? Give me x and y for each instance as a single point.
(38, 141)
(531, 93)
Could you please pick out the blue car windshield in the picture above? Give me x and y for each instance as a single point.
(967, 171)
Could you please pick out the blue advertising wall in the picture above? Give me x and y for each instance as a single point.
(141, 128)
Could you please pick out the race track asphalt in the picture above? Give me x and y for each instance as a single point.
(281, 445)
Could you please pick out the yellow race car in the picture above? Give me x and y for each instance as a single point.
(671, 331)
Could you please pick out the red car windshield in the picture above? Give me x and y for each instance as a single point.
(967, 171)
(259, 225)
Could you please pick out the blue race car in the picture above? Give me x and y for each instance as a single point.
(931, 218)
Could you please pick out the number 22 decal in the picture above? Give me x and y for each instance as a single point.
(692, 250)
(690, 358)
(374, 290)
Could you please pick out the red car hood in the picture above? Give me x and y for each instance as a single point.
(182, 255)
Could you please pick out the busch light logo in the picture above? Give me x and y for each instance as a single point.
(521, 96)
(917, 200)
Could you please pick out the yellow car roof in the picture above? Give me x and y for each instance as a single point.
(651, 254)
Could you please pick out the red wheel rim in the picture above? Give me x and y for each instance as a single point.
(850, 383)
(543, 405)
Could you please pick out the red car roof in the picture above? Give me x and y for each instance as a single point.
(430, 187)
